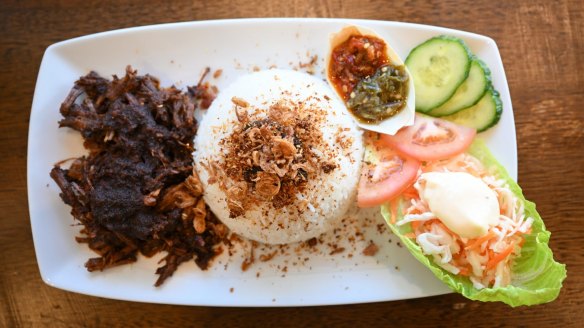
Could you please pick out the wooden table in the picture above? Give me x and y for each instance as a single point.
(541, 43)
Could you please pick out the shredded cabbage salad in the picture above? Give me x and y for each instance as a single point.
(485, 260)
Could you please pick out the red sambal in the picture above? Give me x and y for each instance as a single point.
(355, 59)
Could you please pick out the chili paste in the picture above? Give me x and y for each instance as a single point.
(362, 74)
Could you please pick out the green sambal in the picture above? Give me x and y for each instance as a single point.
(380, 96)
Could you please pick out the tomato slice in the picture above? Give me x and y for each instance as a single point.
(431, 139)
(385, 175)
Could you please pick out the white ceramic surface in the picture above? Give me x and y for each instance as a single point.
(177, 53)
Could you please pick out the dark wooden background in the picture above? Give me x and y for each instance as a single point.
(542, 46)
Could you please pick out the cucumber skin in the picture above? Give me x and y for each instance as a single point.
(495, 96)
(498, 110)
(488, 85)
(449, 39)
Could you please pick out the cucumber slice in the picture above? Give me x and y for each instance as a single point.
(469, 92)
(438, 66)
(481, 116)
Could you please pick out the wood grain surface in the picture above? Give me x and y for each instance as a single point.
(541, 43)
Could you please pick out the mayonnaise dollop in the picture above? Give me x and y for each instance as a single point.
(464, 203)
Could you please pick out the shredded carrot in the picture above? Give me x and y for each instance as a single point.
(393, 206)
(479, 241)
(410, 235)
(459, 261)
(428, 224)
(415, 225)
(490, 254)
(414, 211)
(463, 272)
(445, 228)
(500, 257)
(411, 192)
(460, 244)
(458, 256)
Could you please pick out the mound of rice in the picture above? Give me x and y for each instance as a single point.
(325, 196)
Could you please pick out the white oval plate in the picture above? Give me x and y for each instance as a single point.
(177, 53)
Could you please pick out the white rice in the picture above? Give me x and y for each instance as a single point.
(329, 195)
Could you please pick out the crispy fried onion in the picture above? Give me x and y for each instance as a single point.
(268, 158)
(267, 185)
(236, 196)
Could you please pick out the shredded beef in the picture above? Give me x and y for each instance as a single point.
(136, 191)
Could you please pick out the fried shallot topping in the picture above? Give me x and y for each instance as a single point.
(270, 158)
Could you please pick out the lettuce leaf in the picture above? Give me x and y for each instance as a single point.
(536, 277)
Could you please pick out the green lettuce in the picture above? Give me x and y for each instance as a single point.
(536, 277)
